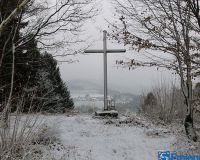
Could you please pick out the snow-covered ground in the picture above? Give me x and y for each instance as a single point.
(86, 138)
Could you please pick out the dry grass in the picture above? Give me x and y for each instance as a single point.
(168, 103)
(16, 137)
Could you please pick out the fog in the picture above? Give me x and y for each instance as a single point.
(90, 66)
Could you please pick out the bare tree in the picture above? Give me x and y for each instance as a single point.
(41, 21)
(6, 21)
(194, 6)
(165, 27)
(52, 24)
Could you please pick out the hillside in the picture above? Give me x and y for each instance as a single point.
(83, 91)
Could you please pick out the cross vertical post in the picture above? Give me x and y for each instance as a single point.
(105, 70)
(105, 51)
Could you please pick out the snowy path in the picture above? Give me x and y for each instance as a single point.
(89, 139)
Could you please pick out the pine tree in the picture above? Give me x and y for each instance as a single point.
(36, 77)
(6, 38)
(57, 97)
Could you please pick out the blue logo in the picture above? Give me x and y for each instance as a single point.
(167, 155)
(164, 155)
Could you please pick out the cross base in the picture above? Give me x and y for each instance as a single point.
(111, 113)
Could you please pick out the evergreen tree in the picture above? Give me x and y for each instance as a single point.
(6, 38)
(53, 92)
(35, 74)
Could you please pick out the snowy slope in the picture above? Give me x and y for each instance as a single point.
(86, 138)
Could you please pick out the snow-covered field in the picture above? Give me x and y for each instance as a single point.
(86, 138)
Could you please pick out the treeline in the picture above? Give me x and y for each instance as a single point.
(26, 72)
(30, 79)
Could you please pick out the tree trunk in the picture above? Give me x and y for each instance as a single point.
(189, 126)
(5, 22)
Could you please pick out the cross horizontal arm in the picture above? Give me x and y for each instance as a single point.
(108, 51)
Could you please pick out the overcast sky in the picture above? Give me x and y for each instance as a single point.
(90, 67)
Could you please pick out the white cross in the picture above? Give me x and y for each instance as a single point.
(105, 51)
